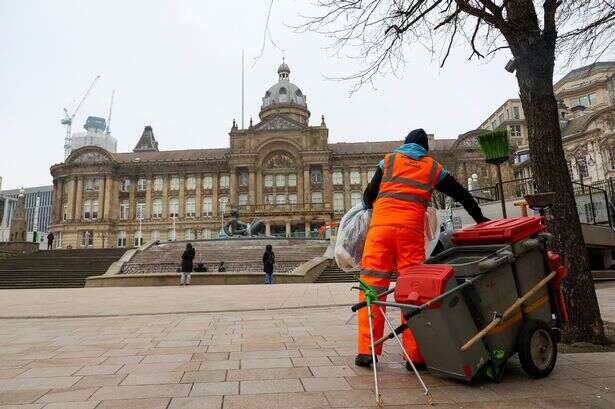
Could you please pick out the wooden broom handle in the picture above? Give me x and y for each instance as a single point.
(480, 335)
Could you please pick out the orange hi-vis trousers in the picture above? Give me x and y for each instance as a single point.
(386, 247)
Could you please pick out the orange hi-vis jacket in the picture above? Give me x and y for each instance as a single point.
(405, 190)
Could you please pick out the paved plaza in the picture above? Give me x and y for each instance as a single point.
(281, 346)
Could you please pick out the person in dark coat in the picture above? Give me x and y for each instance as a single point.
(187, 258)
(268, 263)
(50, 238)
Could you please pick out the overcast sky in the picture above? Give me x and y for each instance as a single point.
(176, 65)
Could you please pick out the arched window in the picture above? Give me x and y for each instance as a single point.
(157, 209)
(298, 93)
(173, 207)
(282, 91)
(121, 239)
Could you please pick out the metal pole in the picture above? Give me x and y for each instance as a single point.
(501, 186)
(371, 337)
(591, 201)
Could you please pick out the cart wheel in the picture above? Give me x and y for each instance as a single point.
(537, 349)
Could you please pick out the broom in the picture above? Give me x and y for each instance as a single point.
(494, 145)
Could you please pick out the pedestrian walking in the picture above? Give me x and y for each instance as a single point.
(221, 267)
(50, 238)
(187, 258)
(268, 263)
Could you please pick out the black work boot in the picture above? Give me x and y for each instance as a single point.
(364, 360)
(419, 366)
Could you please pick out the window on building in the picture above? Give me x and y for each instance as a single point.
(280, 180)
(370, 175)
(121, 239)
(337, 178)
(316, 197)
(138, 239)
(269, 199)
(190, 234)
(584, 101)
(158, 181)
(280, 200)
(514, 131)
(94, 209)
(125, 185)
(582, 167)
(355, 177)
(208, 206)
(173, 207)
(268, 180)
(243, 199)
(223, 204)
(155, 235)
(225, 181)
(191, 182)
(493, 125)
(90, 184)
(243, 179)
(65, 212)
(124, 210)
(355, 198)
(87, 238)
(292, 180)
(174, 183)
(141, 184)
(316, 175)
(140, 209)
(501, 117)
(190, 207)
(208, 182)
(338, 202)
(612, 158)
(206, 234)
(87, 209)
(157, 208)
(516, 113)
(171, 235)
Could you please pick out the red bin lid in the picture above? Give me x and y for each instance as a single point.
(499, 231)
(422, 283)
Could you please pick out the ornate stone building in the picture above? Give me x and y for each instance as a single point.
(281, 169)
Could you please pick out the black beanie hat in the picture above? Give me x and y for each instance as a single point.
(419, 137)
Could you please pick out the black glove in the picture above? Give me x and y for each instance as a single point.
(481, 219)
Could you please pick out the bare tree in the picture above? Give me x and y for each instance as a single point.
(380, 31)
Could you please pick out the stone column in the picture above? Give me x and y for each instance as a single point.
(300, 192)
(102, 194)
(288, 232)
(165, 197)
(148, 198)
(267, 229)
(307, 229)
(307, 187)
(106, 215)
(214, 194)
(78, 198)
(198, 193)
(326, 184)
(259, 187)
(252, 187)
(132, 201)
(182, 196)
(346, 178)
(364, 180)
(58, 204)
(233, 188)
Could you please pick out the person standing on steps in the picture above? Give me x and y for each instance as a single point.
(50, 238)
(187, 258)
(268, 264)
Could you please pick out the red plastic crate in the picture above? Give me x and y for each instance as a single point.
(499, 231)
(422, 283)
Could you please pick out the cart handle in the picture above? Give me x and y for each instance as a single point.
(492, 263)
(362, 304)
(498, 319)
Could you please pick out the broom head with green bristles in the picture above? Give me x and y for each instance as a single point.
(494, 145)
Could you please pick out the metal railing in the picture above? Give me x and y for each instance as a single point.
(595, 202)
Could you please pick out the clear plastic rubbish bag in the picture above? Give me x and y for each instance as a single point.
(351, 235)
(432, 230)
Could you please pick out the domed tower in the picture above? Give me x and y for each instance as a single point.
(285, 98)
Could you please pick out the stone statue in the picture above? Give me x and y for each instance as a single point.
(19, 230)
(235, 227)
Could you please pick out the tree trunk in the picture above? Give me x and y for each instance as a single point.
(535, 62)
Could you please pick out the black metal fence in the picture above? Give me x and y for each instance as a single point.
(595, 202)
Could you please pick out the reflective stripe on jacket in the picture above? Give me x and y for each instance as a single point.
(405, 190)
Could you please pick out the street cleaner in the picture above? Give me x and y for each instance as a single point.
(399, 194)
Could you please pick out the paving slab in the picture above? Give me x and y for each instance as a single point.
(276, 354)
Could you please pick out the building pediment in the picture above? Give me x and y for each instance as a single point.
(278, 122)
(89, 156)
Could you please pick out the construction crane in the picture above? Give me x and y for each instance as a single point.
(68, 119)
(108, 130)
